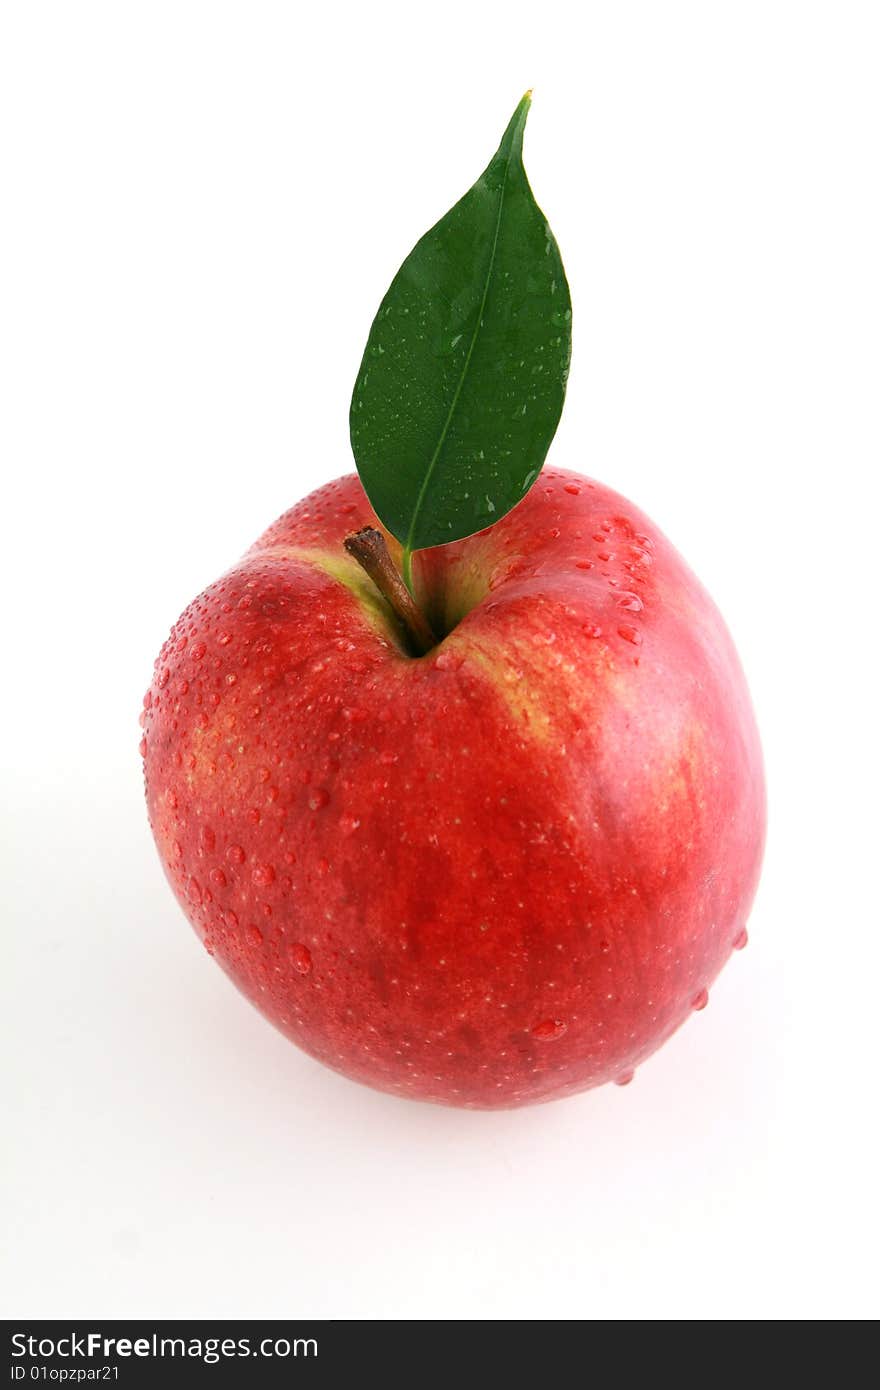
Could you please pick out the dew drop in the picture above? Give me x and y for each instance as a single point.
(319, 798)
(231, 919)
(448, 661)
(208, 838)
(235, 854)
(641, 557)
(584, 565)
(630, 634)
(255, 936)
(218, 878)
(591, 630)
(224, 638)
(263, 875)
(631, 602)
(741, 940)
(700, 1000)
(549, 1029)
(300, 958)
(624, 1079)
(148, 699)
(142, 747)
(194, 891)
(572, 489)
(348, 824)
(197, 650)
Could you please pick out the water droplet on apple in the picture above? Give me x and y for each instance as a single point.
(235, 854)
(142, 747)
(194, 891)
(255, 936)
(348, 824)
(197, 650)
(319, 798)
(624, 1079)
(218, 878)
(631, 602)
(741, 940)
(572, 489)
(208, 838)
(448, 661)
(591, 630)
(263, 875)
(300, 958)
(630, 634)
(700, 1000)
(549, 1029)
(584, 565)
(641, 557)
(231, 919)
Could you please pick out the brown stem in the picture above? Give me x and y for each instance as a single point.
(369, 549)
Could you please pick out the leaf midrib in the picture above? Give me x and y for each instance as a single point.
(464, 371)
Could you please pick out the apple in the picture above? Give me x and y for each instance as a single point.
(500, 872)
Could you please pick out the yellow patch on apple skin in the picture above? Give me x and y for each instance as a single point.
(347, 572)
(520, 678)
(513, 687)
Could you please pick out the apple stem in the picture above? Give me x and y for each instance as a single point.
(368, 547)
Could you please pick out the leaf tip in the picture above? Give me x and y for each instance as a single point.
(511, 141)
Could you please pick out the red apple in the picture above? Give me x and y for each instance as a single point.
(496, 874)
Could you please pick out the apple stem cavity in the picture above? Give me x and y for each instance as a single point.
(368, 547)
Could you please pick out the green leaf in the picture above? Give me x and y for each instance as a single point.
(462, 382)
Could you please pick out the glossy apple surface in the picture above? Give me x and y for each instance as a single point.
(496, 874)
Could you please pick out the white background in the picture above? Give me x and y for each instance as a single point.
(202, 206)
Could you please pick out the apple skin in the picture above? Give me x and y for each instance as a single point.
(497, 874)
